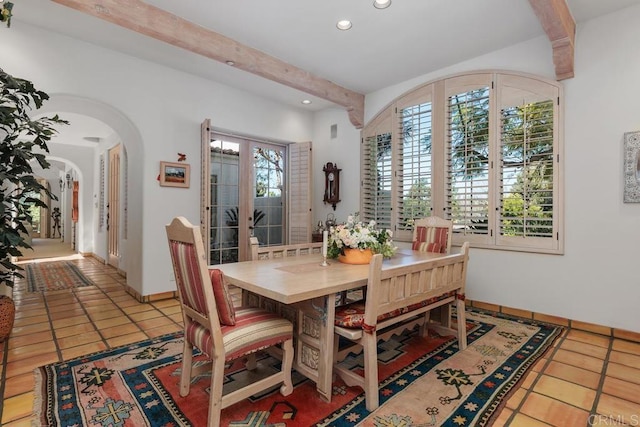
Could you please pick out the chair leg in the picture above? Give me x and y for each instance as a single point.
(424, 327)
(251, 363)
(187, 362)
(215, 393)
(462, 324)
(369, 345)
(287, 364)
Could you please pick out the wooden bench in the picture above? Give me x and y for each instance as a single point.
(269, 252)
(397, 297)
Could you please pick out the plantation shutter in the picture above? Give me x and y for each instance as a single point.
(468, 156)
(376, 172)
(300, 193)
(205, 187)
(527, 214)
(414, 152)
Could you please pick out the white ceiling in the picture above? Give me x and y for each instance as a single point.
(384, 47)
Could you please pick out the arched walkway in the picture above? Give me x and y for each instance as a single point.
(132, 141)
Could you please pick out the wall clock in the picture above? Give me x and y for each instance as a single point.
(331, 184)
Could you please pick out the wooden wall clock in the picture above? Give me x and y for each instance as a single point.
(331, 184)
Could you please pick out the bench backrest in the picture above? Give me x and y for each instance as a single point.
(396, 288)
(281, 251)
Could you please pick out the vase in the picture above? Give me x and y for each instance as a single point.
(7, 316)
(356, 256)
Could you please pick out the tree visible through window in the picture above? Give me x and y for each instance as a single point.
(491, 165)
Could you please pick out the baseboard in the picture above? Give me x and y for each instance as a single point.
(150, 298)
(557, 320)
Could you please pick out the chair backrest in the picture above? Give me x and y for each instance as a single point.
(281, 251)
(432, 234)
(397, 288)
(193, 280)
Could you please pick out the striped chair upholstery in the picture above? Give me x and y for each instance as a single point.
(431, 239)
(221, 332)
(187, 273)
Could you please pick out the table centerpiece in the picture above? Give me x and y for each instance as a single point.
(355, 242)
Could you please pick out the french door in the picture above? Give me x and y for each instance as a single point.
(246, 196)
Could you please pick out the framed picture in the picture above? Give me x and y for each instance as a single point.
(632, 167)
(174, 174)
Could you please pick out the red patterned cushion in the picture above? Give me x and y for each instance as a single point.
(431, 239)
(254, 330)
(224, 303)
(352, 315)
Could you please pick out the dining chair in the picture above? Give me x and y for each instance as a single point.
(395, 297)
(218, 329)
(433, 234)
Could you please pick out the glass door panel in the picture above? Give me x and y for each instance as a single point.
(268, 191)
(225, 201)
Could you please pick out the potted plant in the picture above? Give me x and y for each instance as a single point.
(23, 140)
(355, 242)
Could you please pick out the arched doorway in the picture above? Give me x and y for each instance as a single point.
(126, 133)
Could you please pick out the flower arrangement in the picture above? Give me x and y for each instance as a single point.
(357, 235)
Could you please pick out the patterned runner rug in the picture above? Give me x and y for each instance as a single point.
(53, 276)
(423, 382)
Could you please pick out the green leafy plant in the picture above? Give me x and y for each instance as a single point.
(24, 141)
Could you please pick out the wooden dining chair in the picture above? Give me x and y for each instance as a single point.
(221, 331)
(433, 234)
(395, 297)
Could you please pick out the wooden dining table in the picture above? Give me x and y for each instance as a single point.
(302, 290)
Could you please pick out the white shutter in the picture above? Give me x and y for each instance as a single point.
(205, 185)
(376, 172)
(300, 193)
(527, 215)
(414, 175)
(468, 159)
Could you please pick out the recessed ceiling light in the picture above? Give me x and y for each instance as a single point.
(381, 4)
(306, 101)
(344, 24)
(230, 63)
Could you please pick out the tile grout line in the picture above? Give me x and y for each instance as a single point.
(552, 351)
(603, 377)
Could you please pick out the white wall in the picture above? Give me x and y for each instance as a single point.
(597, 280)
(344, 150)
(160, 111)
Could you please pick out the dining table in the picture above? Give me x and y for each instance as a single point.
(304, 291)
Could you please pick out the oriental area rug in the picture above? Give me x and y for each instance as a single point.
(54, 276)
(422, 382)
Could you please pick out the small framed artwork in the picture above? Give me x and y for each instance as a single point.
(174, 174)
(632, 167)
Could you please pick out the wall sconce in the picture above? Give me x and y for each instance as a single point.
(69, 180)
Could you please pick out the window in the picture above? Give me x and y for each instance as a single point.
(482, 150)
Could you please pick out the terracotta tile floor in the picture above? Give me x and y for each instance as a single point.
(586, 379)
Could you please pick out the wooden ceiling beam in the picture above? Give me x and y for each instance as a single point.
(157, 23)
(558, 23)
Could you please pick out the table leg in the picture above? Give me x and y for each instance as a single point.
(325, 365)
(314, 342)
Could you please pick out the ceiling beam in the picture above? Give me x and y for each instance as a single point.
(159, 24)
(558, 23)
